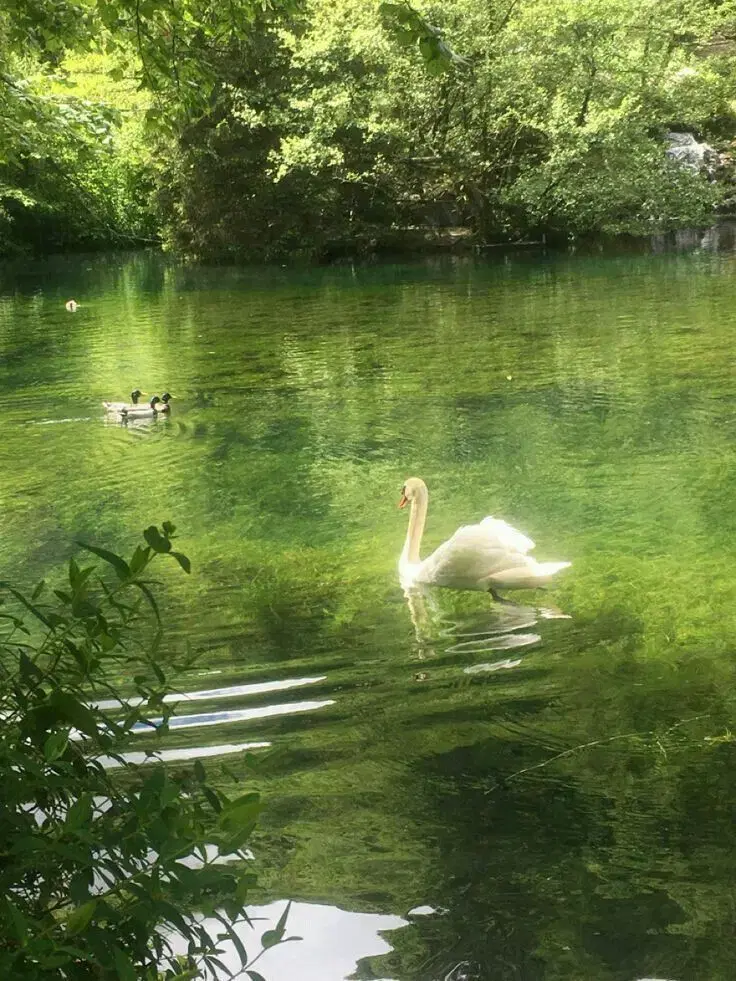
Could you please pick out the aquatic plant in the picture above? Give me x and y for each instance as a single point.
(105, 861)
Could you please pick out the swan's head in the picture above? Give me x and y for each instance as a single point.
(413, 488)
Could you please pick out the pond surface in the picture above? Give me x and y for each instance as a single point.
(549, 786)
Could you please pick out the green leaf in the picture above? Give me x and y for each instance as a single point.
(241, 813)
(236, 841)
(74, 711)
(214, 800)
(20, 923)
(119, 565)
(79, 885)
(156, 540)
(252, 797)
(79, 814)
(29, 606)
(235, 939)
(272, 937)
(55, 746)
(173, 915)
(29, 672)
(149, 596)
(81, 917)
(199, 771)
(281, 925)
(182, 560)
(255, 976)
(245, 883)
(38, 590)
(123, 965)
(139, 560)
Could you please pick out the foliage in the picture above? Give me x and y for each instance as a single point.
(104, 859)
(520, 118)
(73, 168)
(70, 177)
(169, 46)
(316, 127)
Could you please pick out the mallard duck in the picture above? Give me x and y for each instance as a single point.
(141, 411)
(163, 405)
(119, 406)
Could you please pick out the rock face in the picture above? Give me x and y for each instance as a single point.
(685, 149)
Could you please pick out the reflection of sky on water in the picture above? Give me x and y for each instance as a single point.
(231, 691)
(187, 753)
(494, 666)
(333, 941)
(211, 719)
(237, 715)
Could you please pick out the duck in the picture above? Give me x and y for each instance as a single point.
(488, 556)
(141, 411)
(119, 406)
(163, 404)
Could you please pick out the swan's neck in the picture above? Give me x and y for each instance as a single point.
(415, 530)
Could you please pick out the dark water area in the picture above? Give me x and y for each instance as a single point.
(455, 788)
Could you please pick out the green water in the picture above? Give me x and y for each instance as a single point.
(590, 401)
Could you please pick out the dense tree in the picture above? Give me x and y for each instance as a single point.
(316, 127)
(541, 117)
(75, 165)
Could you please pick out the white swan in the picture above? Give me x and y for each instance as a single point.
(488, 556)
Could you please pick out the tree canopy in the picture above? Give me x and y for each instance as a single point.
(314, 127)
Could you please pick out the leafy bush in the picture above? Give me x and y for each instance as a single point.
(103, 859)
(74, 164)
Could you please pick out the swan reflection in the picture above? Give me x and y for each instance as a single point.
(503, 627)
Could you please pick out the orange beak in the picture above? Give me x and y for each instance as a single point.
(404, 501)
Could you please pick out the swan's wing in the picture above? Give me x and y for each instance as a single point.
(506, 536)
(473, 553)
